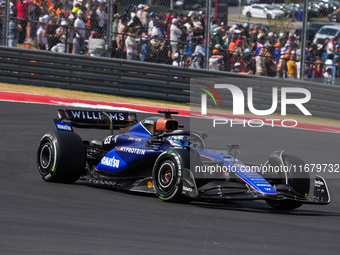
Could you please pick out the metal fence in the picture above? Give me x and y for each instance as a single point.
(147, 80)
(179, 32)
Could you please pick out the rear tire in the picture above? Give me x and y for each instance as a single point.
(269, 16)
(248, 14)
(61, 157)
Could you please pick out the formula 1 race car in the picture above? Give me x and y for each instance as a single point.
(155, 156)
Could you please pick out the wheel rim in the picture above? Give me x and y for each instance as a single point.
(165, 176)
(45, 157)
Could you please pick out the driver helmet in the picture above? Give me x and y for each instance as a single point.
(179, 140)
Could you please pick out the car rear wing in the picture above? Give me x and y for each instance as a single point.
(67, 119)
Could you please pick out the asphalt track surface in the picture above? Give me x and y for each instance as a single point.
(46, 218)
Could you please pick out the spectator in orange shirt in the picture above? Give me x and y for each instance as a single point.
(60, 7)
(40, 2)
(56, 8)
(232, 45)
(53, 9)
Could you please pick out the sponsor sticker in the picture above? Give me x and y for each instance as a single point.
(135, 139)
(112, 162)
(131, 150)
(63, 126)
(96, 115)
(185, 188)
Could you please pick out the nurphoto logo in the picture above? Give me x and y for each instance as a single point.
(238, 99)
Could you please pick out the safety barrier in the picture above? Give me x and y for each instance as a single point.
(147, 80)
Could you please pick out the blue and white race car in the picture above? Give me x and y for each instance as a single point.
(156, 156)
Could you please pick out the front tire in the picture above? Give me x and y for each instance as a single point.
(298, 180)
(61, 157)
(167, 176)
(248, 14)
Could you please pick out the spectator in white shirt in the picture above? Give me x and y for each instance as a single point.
(156, 31)
(198, 55)
(60, 47)
(96, 45)
(79, 28)
(42, 40)
(131, 48)
(151, 22)
(101, 18)
(175, 34)
(177, 60)
(215, 60)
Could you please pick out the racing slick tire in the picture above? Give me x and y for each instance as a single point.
(298, 180)
(167, 173)
(61, 157)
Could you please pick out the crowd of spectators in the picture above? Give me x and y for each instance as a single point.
(59, 26)
(138, 33)
(255, 50)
